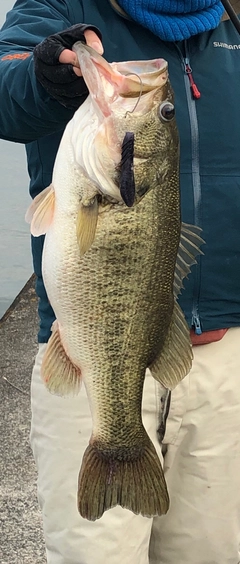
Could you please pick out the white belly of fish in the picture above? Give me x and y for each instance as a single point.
(61, 257)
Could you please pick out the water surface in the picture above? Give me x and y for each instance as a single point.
(15, 256)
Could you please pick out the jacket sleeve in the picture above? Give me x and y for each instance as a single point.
(26, 110)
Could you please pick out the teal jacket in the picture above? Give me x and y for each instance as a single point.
(209, 132)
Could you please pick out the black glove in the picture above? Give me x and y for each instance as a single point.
(58, 79)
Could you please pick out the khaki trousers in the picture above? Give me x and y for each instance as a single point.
(202, 468)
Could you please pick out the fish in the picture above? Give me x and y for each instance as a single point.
(114, 259)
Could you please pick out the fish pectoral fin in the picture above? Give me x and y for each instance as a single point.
(59, 374)
(175, 359)
(189, 248)
(138, 484)
(40, 212)
(87, 223)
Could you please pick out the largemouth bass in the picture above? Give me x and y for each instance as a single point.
(113, 263)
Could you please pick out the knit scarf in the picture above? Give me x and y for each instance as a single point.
(174, 20)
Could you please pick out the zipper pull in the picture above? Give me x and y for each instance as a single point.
(188, 70)
(196, 324)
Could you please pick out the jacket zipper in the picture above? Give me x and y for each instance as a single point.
(188, 70)
(193, 94)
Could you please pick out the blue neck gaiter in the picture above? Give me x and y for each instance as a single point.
(174, 20)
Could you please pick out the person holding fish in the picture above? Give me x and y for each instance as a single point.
(116, 226)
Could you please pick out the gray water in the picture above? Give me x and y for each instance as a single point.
(15, 255)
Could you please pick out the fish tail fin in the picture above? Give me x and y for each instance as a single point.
(136, 484)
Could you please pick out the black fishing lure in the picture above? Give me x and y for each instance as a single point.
(127, 182)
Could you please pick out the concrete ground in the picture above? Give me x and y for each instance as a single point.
(21, 538)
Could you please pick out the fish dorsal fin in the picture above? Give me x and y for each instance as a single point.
(189, 248)
(174, 361)
(86, 224)
(40, 212)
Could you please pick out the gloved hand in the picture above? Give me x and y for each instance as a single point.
(59, 78)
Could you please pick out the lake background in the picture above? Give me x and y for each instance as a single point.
(15, 255)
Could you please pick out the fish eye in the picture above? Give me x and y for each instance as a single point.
(167, 111)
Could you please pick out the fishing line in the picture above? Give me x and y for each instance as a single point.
(232, 14)
(13, 386)
(140, 93)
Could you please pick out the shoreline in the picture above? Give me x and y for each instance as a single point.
(21, 528)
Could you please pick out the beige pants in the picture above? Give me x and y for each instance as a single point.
(202, 468)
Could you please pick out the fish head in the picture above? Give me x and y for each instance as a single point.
(154, 151)
(134, 139)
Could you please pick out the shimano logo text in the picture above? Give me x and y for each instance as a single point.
(225, 45)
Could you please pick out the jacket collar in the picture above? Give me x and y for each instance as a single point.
(120, 11)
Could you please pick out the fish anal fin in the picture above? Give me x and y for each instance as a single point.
(175, 359)
(87, 223)
(59, 374)
(138, 485)
(40, 212)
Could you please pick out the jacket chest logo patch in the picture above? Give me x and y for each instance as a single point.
(12, 56)
(226, 45)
